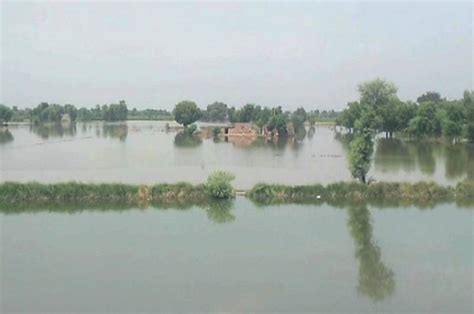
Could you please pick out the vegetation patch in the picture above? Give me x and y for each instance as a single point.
(421, 194)
(16, 197)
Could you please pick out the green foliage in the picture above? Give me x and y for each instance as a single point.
(218, 185)
(150, 114)
(190, 129)
(278, 123)
(377, 93)
(115, 112)
(186, 112)
(216, 132)
(215, 112)
(360, 153)
(426, 122)
(350, 115)
(468, 101)
(429, 97)
(5, 113)
(422, 194)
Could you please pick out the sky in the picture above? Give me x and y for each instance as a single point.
(155, 54)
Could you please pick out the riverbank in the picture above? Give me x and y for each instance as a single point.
(23, 196)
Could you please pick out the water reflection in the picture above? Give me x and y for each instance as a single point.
(219, 212)
(46, 131)
(119, 131)
(457, 157)
(376, 280)
(311, 132)
(184, 139)
(5, 136)
(425, 156)
(392, 154)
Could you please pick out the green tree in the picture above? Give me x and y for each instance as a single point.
(452, 120)
(360, 152)
(429, 96)
(263, 118)
(186, 112)
(349, 116)
(468, 101)
(380, 97)
(218, 185)
(426, 122)
(247, 113)
(217, 111)
(278, 123)
(5, 114)
(298, 117)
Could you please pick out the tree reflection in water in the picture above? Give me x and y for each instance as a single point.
(219, 211)
(376, 280)
(5, 136)
(46, 131)
(184, 139)
(119, 131)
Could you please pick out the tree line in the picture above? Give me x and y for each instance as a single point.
(54, 113)
(274, 119)
(429, 117)
(380, 110)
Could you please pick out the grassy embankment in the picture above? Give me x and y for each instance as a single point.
(421, 194)
(17, 197)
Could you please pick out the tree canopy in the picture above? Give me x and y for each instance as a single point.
(186, 112)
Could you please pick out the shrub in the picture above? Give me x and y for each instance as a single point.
(218, 185)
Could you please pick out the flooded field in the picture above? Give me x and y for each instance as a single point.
(144, 152)
(291, 258)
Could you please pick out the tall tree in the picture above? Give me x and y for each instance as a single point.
(186, 112)
(5, 113)
(217, 111)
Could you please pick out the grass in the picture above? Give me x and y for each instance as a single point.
(12, 193)
(421, 194)
(17, 197)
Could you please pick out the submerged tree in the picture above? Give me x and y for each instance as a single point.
(376, 280)
(376, 110)
(361, 149)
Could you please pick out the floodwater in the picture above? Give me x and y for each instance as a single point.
(288, 258)
(143, 152)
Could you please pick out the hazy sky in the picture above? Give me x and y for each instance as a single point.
(292, 54)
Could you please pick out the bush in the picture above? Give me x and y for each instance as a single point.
(190, 129)
(218, 185)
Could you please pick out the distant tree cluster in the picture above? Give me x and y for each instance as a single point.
(430, 116)
(380, 110)
(54, 113)
(5, 114)
(113, 112)
(45, 112)
(274, 119)
(149, 114)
